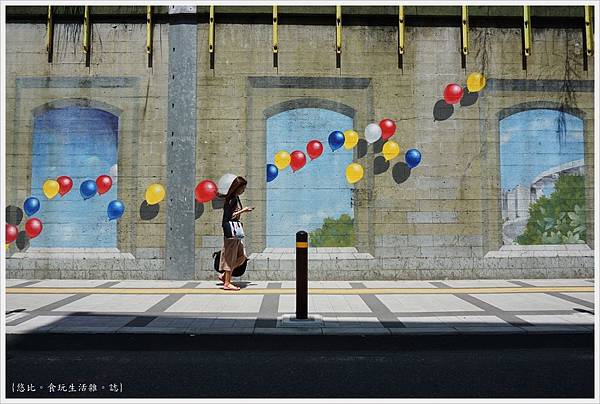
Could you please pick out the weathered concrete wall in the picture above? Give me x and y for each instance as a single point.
(442, 222)
(118, 77)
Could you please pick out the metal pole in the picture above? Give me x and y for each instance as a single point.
(301, 275)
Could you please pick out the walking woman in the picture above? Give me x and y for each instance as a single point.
(233, 253)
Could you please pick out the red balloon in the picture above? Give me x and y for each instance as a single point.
(65, 184)
(298, 160)
(453, 93)
(103, 182)
(314, 148)
(388, 128)
(206, 191)
(33, 227)
(11, 233)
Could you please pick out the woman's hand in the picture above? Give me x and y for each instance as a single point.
(237, 213)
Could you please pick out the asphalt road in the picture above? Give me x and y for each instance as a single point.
(174, 366)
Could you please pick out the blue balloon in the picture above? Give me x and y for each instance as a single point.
(115, 209)
(272, 172)
(88, 189)
(412, 158)
(336, 140)
(31, 205)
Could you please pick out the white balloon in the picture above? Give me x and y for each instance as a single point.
(114, 173)
(225, 182)
(372, 132)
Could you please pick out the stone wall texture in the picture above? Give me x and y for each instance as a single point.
(443, 222)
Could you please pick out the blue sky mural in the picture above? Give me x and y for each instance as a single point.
(530, 144)
(80, 143)
(301, 200)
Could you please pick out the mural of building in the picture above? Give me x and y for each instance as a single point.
(183, 110)
(537, 146)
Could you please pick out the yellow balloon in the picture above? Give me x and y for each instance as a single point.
(475, 82)
(155, 193)
(50, 188)
(282, 159)
(354, 173)
(351, 139)
(390, 150)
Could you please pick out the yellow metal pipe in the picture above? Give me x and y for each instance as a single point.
(401, 30)
(149, 30)
(589, 32)
(465, 30)
(211, 30)
(50, 31)
(527, 29)
(86, 29)
(338, 29)
(275, 36)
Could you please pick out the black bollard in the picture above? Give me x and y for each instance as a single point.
(301, 275)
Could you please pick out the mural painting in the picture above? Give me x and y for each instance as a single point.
(542, 197)
(80, 143)
(317, 197)
(330, 148)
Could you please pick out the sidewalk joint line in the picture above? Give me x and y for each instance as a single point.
(385, 316)
(491, 309)
(269, 308)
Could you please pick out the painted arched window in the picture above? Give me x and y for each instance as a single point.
(82, 144)
(542, 168)
(317, 197)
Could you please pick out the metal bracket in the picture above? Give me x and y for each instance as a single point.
(211, 30)
(211, 37)
(275, 36)
(589, 31)
(527, 30)
(149, 30)
(465, 30)
(86, 29)
(401, 24)
(50, 34)
(338, 29)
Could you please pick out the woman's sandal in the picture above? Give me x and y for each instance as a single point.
(230, 287)
(222, 277)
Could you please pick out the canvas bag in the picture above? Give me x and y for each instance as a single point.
(237, 229)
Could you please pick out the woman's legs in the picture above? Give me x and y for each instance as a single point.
(230, 256)
(227, 282)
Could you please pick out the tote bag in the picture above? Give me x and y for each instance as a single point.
(237, 229)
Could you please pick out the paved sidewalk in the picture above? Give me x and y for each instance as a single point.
(395, 307)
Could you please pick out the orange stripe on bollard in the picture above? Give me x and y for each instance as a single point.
(301, 244)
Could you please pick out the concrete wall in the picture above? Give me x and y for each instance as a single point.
(117, 81)
(444, 221)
